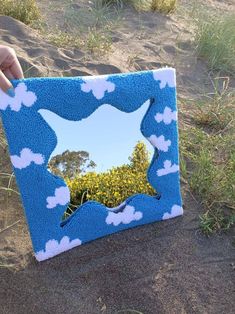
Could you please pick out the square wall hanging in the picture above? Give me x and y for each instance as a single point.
(31, 142)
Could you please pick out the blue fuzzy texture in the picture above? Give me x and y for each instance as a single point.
(75, 99)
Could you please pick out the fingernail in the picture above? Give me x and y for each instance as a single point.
(11, 92)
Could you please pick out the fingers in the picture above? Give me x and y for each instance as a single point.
(5, 84)
(16, 69)
(9, 69)
(8, 74)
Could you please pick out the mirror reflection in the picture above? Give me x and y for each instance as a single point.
(102, 158)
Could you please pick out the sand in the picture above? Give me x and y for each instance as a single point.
(164, 267)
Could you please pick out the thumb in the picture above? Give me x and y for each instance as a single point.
(5, 84)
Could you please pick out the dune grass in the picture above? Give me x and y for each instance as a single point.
(7, 179)
(25, 11)
(87, 28)
(215, 39)
(95, 42)
(208, 159)
(163, 6)
(90, 28)
(3, 142)
(64, 39)
(96, 14)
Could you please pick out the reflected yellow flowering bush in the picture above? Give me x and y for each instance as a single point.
(113, 186)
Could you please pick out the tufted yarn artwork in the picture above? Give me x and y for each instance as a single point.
(31, 142)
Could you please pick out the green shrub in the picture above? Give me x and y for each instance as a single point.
(25, 11)
(115, 185)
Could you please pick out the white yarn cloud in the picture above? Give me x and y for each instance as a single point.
(166, 77)
(126, 216)
(168, 168)
(61, 197)
(167, 116)
(159, 142)
(22, 97)
(98, 86)
(26, 158)
(53, 247)
(176, 210)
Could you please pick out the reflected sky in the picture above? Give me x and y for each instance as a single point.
(109, 135)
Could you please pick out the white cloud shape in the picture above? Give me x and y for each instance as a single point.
(22, 97)
(166, 77)
(168, 168)
(167, 116)
(98, 86)
(25, 158)
(159, 142)
(61, 197)
(176, 210)
(53, 247)
(126, 216)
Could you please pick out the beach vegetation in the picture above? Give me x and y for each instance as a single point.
(26, 11)
(163, 6)
(215, 39)
(207, 150)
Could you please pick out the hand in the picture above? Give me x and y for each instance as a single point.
(9, 69)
